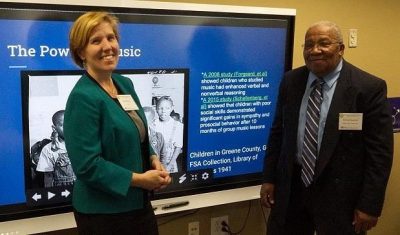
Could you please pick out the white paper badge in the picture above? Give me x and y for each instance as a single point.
(127, 102)
(350, 121)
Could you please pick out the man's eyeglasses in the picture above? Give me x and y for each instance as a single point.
(323, 45)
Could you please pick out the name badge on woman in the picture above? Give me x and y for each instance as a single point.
(127, 102)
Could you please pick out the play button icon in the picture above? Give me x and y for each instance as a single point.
(50, 195)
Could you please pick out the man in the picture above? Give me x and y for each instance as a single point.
(53, 159)
(330, 148)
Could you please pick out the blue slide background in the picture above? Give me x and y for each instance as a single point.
(198, 48)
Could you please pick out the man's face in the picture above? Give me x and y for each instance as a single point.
(322, 50)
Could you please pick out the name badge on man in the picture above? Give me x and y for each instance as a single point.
(127, 102)
(350, 121)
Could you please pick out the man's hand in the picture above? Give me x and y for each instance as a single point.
(267, 194)
(363, 222)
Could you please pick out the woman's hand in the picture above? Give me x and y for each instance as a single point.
(155, 163)
(151, 180)
(155, 179)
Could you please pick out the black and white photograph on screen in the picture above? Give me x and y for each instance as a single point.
(161, 93)
(48, 159)
(395, 106)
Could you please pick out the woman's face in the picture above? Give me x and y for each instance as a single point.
(102, 51)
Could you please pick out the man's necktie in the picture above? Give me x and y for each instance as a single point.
(310, 143)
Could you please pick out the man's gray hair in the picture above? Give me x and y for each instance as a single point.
(333, 26)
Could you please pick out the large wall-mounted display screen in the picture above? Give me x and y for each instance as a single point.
(218, 73)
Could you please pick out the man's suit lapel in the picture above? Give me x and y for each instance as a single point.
(341, 102)
(294, 96)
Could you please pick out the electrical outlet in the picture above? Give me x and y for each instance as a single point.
(216, 225)
(194, 228)
(353, 38)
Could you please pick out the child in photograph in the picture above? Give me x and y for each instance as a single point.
(156, 138)
(53, 159)
(172, 132)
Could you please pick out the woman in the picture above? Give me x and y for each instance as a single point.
(106, 137)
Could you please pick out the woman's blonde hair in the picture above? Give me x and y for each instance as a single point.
(82, 29)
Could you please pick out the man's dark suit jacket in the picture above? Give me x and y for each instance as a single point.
(353, 167)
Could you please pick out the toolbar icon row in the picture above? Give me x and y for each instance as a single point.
(45, 196)
(38, 196)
